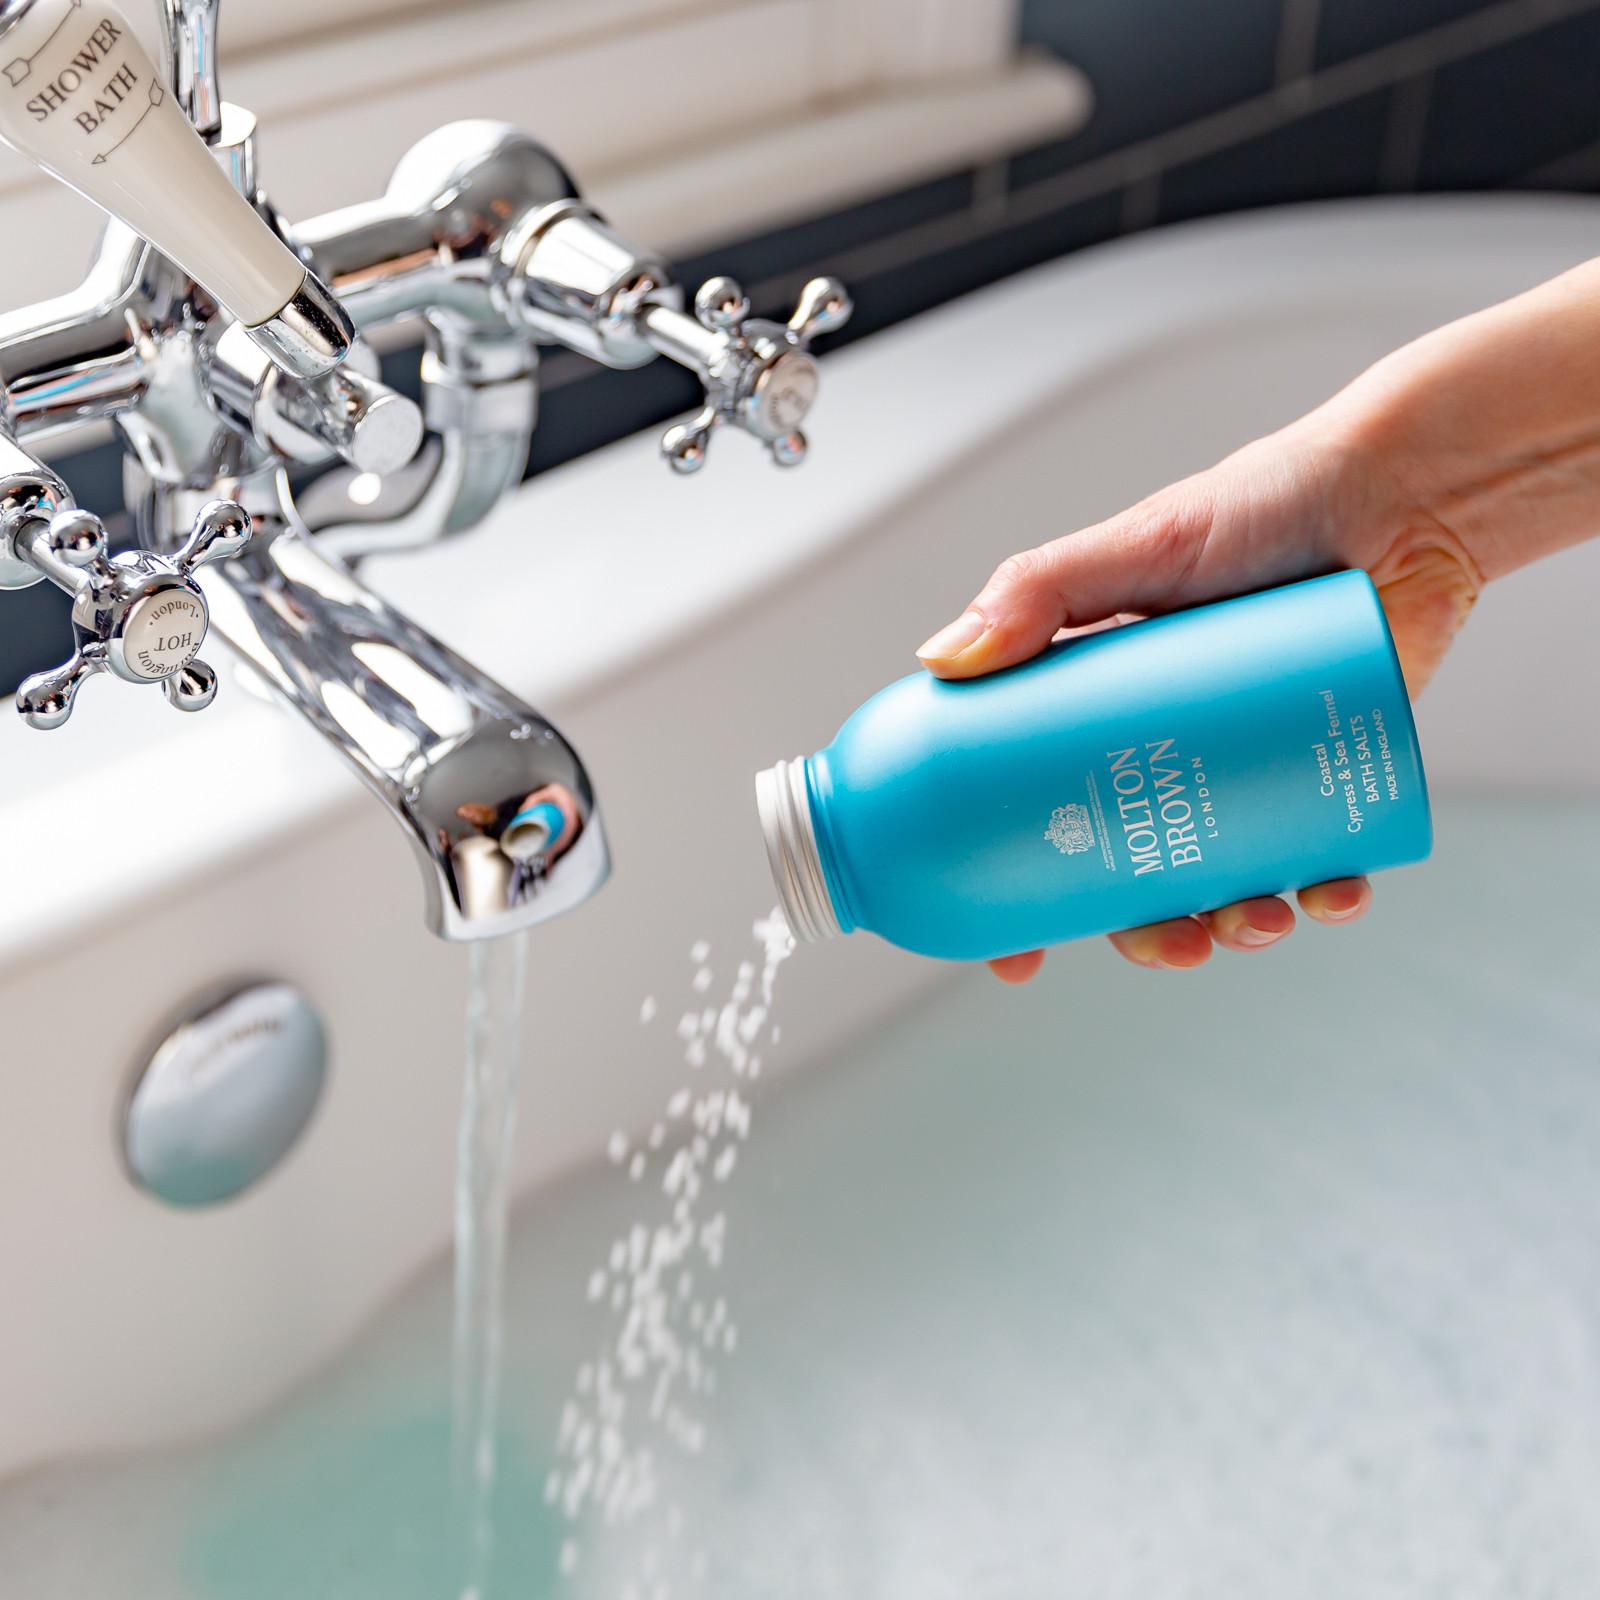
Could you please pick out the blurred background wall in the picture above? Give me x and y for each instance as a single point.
(918, 148)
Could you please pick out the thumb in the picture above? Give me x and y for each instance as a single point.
(1141, 561)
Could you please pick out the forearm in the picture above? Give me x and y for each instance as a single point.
(1487, 431)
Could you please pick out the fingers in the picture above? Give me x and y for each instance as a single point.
(1018, 968)
(1137, 562)
(1260, 517)
(1250, 924)
(1187, 941)
(1183, 942)
(1342, 900)
(1244, 926)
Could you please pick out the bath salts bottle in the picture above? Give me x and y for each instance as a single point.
(1170, 766)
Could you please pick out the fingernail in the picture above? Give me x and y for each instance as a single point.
(1345, 905)
(1256, 937)
(949, 642)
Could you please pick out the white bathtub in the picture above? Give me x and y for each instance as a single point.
(684, 634)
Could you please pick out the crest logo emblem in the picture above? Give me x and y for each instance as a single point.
(1070, 830)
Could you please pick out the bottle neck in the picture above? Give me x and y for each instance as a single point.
(783, 802)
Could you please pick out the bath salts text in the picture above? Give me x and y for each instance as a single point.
(1355, 764)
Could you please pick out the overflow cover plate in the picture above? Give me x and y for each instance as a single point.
(225, 1095)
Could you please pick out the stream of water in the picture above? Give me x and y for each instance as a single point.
(483, 1190)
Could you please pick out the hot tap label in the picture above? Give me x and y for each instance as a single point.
(164, 633)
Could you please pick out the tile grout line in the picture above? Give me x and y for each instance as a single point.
(1405, 130)
(1580, 166)
(1141, 204)
(990, 188)
(1297, 41)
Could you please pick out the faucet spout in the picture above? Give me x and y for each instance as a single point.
(497, 805)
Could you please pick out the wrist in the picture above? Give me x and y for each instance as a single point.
(1356, 451)
(1485, 434)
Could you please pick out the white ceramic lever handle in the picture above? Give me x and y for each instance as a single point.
(79, 96)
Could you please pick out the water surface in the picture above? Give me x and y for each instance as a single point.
(1277, 1280)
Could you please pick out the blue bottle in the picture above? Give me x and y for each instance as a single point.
(1170, 766)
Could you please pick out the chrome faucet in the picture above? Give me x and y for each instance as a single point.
(225, 344)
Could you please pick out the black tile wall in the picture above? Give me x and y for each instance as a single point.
(1348, 28)
(1154, 64)
(38, 633)
(1323, 156)
(969, 263)
(35, 626)
(1495, 116)
(601, 407)
(1490, 92)
(819, 240)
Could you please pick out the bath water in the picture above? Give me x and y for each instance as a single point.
(1307, 1321)
(483, 1191)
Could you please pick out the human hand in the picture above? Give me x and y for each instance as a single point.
(1460, 457)
(1308, 500)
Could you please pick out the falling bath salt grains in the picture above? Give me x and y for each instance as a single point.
(643, 1394)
